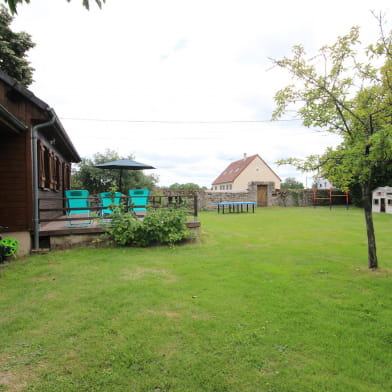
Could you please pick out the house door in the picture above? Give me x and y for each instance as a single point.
(382, 206)
(262, 200)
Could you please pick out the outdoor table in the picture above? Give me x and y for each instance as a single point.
(236, 206)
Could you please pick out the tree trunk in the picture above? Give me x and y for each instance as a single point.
(367, 202)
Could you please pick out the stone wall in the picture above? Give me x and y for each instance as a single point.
(304, 198)
(207, 200)
(292, 198)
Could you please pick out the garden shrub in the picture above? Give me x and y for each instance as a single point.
(159, 226)
(122, 227)
(165, 225)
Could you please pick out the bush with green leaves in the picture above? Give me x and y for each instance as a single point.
(121, 227)
(159, 226)
(165, 225)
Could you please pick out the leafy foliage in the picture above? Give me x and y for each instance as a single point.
(96, 180)
(291, 183)
(189, 186)
(13, 50)
(12, 4)
(338, 93)
(159, 226)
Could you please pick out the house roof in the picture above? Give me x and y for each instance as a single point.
(22, 90)
(383, 189)
(236, 168)
(57, 128)
(11, 122)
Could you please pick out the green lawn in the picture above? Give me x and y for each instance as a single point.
(276, 301)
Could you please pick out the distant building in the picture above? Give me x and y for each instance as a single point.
(382, 199)
(238, 175)
(322, 183)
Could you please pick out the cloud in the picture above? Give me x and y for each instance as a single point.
(188, 71)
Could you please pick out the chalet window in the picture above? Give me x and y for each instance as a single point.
(41, 165)
(46, 169)
(52, 173)
(66, 176)
(59, 175)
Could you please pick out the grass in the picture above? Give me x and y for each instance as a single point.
(277, 301)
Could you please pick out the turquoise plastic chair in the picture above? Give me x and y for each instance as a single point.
(78, 199)
(109, 200)
(138, 199)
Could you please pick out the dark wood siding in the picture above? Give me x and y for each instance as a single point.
(16, 167)
(15, 183)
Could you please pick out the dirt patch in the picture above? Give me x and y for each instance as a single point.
(167, 313)
(167, 351)
(202, 317)
(375, 272)
(139, 273)
(50, 296)
(40, 279)
(13, 382)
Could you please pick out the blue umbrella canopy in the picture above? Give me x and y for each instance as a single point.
(123, 164)
(127, 164)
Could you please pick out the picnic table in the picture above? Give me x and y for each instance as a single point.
(236, 206)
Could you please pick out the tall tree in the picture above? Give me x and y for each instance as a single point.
(345, 91)
(291, 183)
(12, 4)
(95, 180)
(13, 50)
(189, 186)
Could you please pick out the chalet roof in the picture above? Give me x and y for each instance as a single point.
(11, 122)
(22, 90)
(18, 88)
(236, 168)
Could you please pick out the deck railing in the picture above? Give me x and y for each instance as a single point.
(56, 207)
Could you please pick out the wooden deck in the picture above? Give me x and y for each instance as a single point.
(60, 226)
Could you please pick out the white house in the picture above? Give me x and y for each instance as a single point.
(382, 199)
(238, 175)
(322, 183)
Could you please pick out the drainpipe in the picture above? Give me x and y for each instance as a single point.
(34, 134)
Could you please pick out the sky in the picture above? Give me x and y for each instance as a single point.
(185, 86)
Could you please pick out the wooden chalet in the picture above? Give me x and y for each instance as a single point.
(35, 160)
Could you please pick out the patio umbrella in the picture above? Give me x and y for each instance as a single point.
(123, 164)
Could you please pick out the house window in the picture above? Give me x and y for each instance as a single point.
(59, 175)
(375, 201)
(47, 169)
(66, 176)
(52, 172)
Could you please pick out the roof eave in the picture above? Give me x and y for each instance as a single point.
(13, 123)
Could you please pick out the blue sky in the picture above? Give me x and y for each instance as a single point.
(185, 86)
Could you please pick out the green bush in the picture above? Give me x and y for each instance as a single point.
(122, 227)
(159, 226)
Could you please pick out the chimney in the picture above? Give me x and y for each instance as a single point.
(244, 156)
